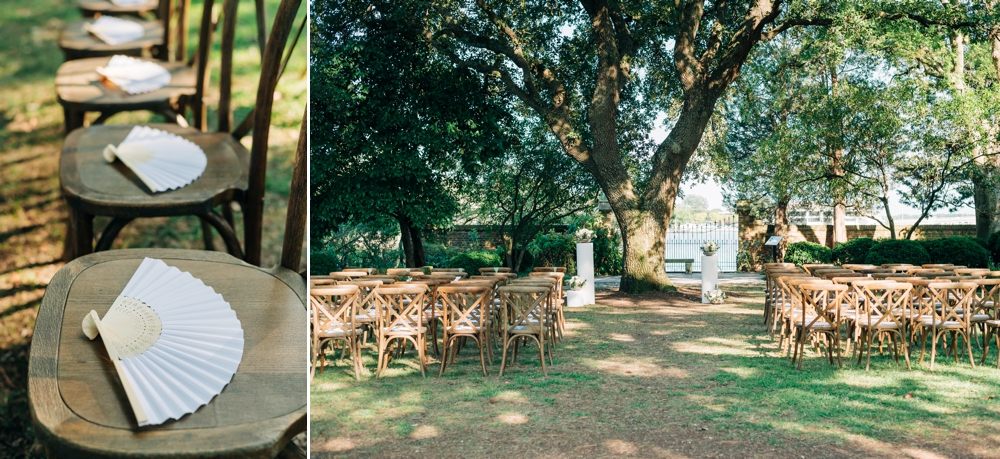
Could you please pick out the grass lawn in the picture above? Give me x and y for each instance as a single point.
(659, 375)
(32, 212)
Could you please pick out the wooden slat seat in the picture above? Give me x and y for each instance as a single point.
(94, 7)
(77, 43)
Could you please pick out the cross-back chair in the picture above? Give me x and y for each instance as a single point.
(79, 408)
(820, 316)
(465, 314)
(93, 187)
(334, 309)
(523, 315)
(399, 316)
(946, 312)
(493, 269)
(94, 7)
(793, 307)
(883, 308)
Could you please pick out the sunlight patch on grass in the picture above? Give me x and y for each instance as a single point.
(621, 447)
(423, 432)
(622, 337)
(703, 346)
(622, 366)
(513, 418)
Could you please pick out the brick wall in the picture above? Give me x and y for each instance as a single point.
(823, 234)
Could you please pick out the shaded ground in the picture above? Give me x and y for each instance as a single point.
(659, 375)
(32, 212)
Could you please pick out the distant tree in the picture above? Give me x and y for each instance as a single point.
(530, 187)
(396, 131)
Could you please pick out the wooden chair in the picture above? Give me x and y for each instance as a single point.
(95, 7)
(465, 315)
(399, 317)
(524, 315)
(821, 315)
(81, 90)
(857, 266)
(809, 267)
(942, 266)
(79, 408)
(947, 310)
(367, 271)
(397, 272)
(365, 316)
(558, 316)
(93, 187)
(334, 309)
(78, 43)
(549, 269)
(493, 270)
(883, 308)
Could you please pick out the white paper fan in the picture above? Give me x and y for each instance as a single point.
(163, 161)
(114, 31)
(175, 342)
(134, 76)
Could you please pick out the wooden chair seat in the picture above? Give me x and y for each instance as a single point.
(93, 186)
(77, 43)
(80, 408)
(94, 7)
(80, 89)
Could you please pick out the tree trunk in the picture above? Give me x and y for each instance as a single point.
(404, 238)
(643, 267)
(781, 225)
(987, 207)
(888, 217)
(419, 258)
(839, 223)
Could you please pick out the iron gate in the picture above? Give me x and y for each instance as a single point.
(684, 242)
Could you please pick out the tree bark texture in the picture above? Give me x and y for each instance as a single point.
(406, 241)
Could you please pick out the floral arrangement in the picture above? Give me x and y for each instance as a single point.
(709, 248)
(584, 234)
(575, 283)
(715, 296)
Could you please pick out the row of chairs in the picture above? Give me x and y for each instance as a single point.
(894, 304)
(493, 305)
(92, 187)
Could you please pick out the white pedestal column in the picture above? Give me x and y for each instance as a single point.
(709, 274)
(584, 270)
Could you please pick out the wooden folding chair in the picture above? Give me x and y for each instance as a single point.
(399, 316)
(524, 314)
(465, 314)
(334, 309)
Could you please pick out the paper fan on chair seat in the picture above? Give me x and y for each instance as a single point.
(175, 342)
(135, 76)
(114, 31)
(163, 161)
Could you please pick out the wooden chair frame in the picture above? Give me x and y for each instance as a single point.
(883, 308)
(334, 312)
(824, 301)
(399, 316)
(948, 306)
(465, 314)
(524, 314)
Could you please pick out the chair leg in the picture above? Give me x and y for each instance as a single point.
(541, 354)
(503, 358)
(444, 361)
(421, 352)
(968, 347)
(482, 355)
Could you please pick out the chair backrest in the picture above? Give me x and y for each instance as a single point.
(558, 276)
(823, 300)
(396, 272)
(493, 269)
(367, 287)
(937, 265)
(857, 266)
(778, 265)
(916, 271)
(884, 303)
(253, 203)
(334, 308)
(524, 306)
(971, 271)
(400, 308)
(367, 271)
(952, 301)
(550, 269)
(463, 306)
(809, 267)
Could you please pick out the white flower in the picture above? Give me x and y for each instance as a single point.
(715, 296)
(709, 247)
(584, 234)
(575, 282)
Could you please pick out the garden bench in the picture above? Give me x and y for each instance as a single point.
(687, 263)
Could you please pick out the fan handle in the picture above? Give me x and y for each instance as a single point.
(92, 327)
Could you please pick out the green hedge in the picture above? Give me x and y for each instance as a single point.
(957, 250)
(472, 261)
(607, 252)
(853, 251)
(322, 263)
(993, 245)
(554, 249)
(898, 251)
(807, 252)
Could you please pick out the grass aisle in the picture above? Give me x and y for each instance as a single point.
(659, 375)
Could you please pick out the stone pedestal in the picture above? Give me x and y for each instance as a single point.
(584, 270)
(709, 274)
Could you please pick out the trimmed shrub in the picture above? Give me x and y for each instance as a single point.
(322, 263)
(897, 251)
(807, 252)
(472, 261)
(607, 251)
(957, 250)
(554, 249)
(853, 251)
(993, 245)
